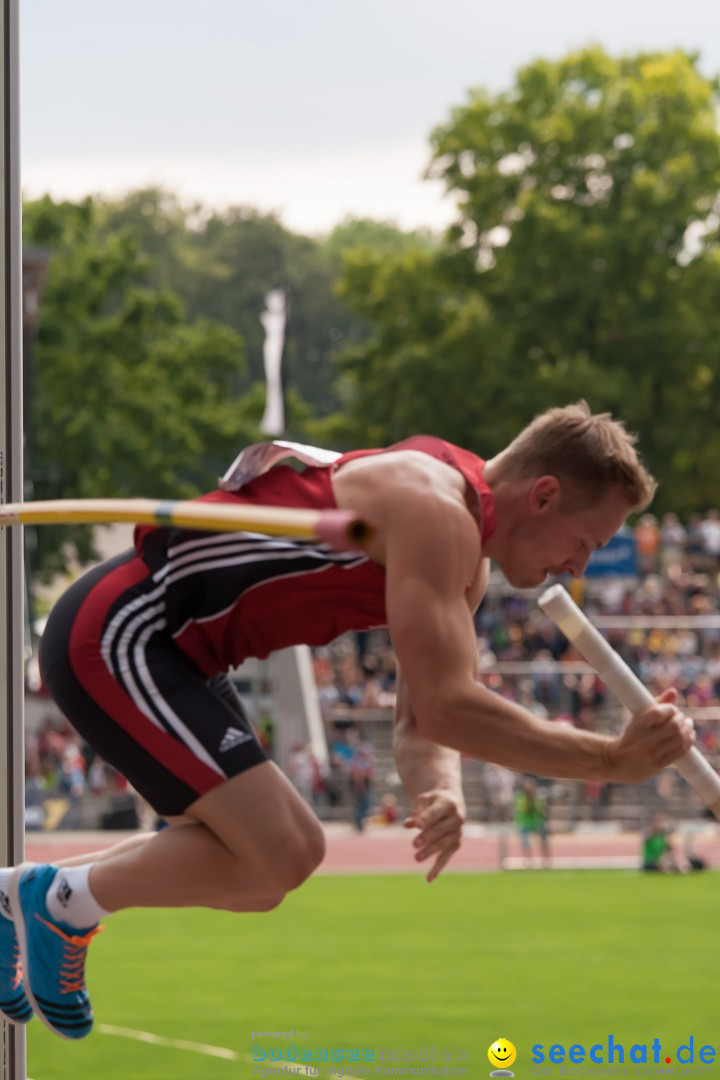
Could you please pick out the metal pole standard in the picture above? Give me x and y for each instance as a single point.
(12, 755)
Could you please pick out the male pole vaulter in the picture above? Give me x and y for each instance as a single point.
(136, 652)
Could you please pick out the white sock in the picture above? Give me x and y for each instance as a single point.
(70, 901)
(5, 874)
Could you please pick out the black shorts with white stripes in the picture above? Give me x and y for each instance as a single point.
(110, 663)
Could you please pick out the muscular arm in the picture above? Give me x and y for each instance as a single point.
(431, 549)
(423, 765)
(432, 778)
(429, 543)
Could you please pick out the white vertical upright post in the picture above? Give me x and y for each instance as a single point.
(296, 709)
(12, 769)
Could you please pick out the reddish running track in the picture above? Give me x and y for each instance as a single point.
(389, 850)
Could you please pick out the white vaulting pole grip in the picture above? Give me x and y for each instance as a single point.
(558, 605)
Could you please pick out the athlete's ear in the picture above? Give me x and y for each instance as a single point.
(544, 493)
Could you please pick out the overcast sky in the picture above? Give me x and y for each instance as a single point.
(316, 109)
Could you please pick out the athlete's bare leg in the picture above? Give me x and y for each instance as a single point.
(253, 840)
(136, 840)
(112, 850)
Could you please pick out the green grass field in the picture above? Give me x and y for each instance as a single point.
(389, 962)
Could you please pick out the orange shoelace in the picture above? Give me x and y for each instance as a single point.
(72, 969)
(17, 963)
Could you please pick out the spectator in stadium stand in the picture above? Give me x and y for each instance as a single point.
(73, 771)
(388, 812)
(647, 538)
(328, 693)
(341, 747)
(337, 783)
(531, 816)
(360, 772)
(661, 855)
(498, 783)
(657, 849)
(136, 654)
(672, 541)
(350, 680)
(302, 770)
(694, 541)
(710, 532)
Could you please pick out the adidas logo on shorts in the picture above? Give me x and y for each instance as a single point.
(233, 737)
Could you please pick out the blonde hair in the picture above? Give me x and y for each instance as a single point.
(589, 454)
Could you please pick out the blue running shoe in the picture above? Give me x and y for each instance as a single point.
(52, 953)
(14, 1005)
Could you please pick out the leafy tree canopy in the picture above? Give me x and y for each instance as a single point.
(127, 397)
(146, 376)
(582, 263)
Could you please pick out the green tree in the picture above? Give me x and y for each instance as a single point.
(223, 263)
(411, 374)
(382, 237)
(583, 262)
(128, 397)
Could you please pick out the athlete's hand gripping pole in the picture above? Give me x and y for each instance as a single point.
(558, 605)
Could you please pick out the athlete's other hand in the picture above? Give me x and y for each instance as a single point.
(440, 816)
(654, 738)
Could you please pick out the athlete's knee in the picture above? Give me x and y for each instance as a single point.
(260, 880)
(243, 903)
(297, 857)
(308, 854)
(268, 903)
(265, 882)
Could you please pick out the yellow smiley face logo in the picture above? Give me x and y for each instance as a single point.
(502, 1053)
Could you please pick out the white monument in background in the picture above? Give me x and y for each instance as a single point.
(273, 319)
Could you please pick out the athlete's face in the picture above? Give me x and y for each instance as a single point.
(553, 540)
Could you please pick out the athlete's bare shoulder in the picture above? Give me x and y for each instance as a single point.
(395, 490)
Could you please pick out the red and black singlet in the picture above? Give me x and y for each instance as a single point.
(229, 596)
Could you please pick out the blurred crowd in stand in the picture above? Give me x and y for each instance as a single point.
(58, 762)
(345, 779)
(61, 771)
(522, 656)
